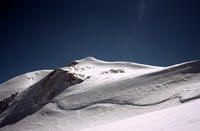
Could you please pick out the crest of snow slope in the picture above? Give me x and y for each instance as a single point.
(91, 92)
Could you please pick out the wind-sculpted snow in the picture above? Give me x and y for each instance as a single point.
(113, 101)
(90, 92)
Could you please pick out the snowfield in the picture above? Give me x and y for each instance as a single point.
(94, 95)
(184, 117)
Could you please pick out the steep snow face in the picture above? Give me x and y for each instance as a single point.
(39, 94)
(21, 82)
(10, 88)
(91, 92)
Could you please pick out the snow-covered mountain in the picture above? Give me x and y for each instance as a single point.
(91, 94)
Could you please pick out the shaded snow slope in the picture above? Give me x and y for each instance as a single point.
(91, 92)
(21, 82)
(11, 88)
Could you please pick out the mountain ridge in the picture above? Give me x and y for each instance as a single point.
(90, 85)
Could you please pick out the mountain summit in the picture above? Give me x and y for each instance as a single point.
(91, 92)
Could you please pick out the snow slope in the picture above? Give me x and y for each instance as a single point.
(184, 117)
(91, 92)
(21, 82)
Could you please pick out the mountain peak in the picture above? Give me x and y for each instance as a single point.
(96, 89)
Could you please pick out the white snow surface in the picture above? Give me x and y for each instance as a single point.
(91, 92)
(184, 117)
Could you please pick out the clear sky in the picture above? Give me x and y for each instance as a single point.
(47, 34)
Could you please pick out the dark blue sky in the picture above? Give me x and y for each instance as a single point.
(46, 34)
